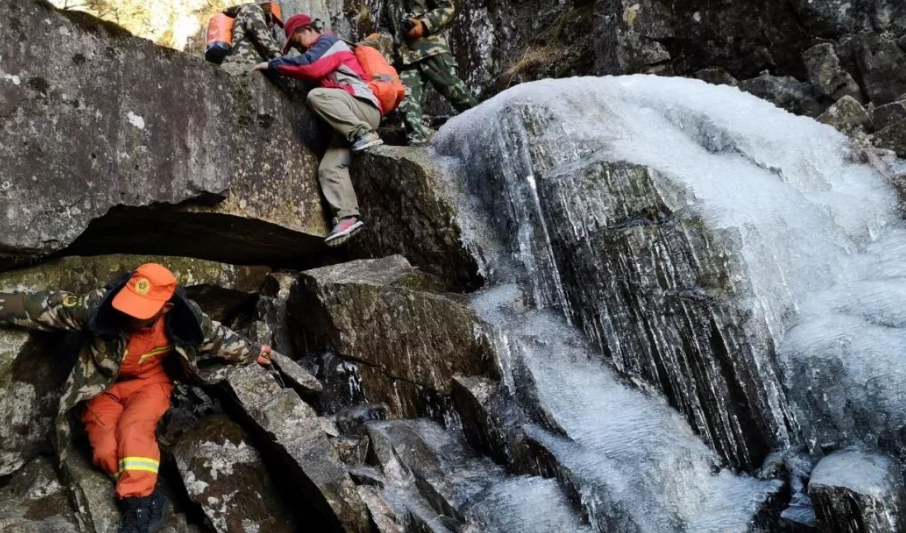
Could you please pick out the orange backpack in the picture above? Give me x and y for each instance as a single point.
(382, 78)
(219, 39)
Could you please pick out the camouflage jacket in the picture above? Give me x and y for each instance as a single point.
(205, 347)
(436, 15)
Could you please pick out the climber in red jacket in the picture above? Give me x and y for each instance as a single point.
(344, 101)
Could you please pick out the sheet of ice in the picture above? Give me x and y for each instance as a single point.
(822, 244)
(859, 471)
(525, 505)
(636, 461)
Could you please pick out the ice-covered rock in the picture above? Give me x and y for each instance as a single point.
(427, 466)
(693, 232)
(631, 461)
(856, 491)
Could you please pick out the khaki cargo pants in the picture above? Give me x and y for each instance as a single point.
(349, 117)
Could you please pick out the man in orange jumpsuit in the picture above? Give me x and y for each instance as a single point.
(138, 324)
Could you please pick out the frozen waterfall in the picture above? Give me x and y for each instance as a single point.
(717, 251)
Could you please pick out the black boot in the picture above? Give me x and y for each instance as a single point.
(157, 515)
(135, 515)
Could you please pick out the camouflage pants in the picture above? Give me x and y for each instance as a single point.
(253, 40)
(440, 70)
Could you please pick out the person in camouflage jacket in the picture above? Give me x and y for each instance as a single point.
(419, 30)
(192, 347)
(254, 36)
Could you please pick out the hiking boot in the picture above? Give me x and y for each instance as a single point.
(136, 515)
(366, 140)
(157, 511)
(144, 515)
(344, 229)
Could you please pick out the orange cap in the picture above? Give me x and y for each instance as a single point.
(146, 292)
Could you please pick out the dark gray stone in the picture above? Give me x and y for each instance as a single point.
(858, 492)
(382, 515)
(826, 73)
(893, 137)
(716, 76)
(33, 369)
(407, 340)
(34, 501)
(294, 434)
(91, 491)
(881, 63)
(885, 115)
(785, 92)
(176, 161)
(226, 477)
(628, 36)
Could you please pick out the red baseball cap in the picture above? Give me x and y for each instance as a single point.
(146, 292)
(292, 24)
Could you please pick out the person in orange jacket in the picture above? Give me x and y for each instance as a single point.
(142, 329)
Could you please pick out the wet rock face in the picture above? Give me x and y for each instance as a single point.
(188, 145)
(858, 492)
(226, 477)
(406, 214)
(407, 340)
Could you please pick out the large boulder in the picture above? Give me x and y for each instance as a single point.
(226, 477)
(406, 213)
(856, 491)
(168, 155)
(408, 340)
(34, 366)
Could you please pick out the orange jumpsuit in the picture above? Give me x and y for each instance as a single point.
(121, 422)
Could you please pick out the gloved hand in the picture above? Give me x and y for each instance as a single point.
(414, 28)
(264, 358)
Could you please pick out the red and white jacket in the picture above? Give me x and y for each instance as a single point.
(330, 62)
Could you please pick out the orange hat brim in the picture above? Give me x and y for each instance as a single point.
(136, 306)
